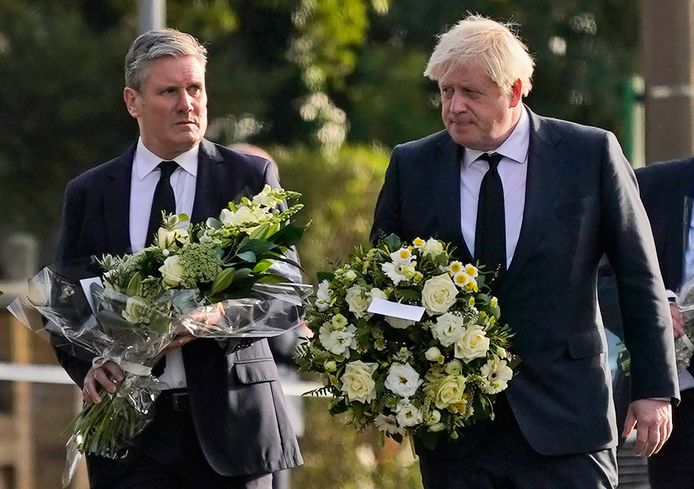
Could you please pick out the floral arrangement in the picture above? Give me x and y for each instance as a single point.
(149, 297)
(430, 376)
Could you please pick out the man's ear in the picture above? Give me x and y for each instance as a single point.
(130, 98)
(516, 93)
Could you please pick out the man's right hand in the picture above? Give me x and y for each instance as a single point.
(107, 376)
(677, 320)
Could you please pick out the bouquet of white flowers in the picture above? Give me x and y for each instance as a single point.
(408, 339)
(224, 278)
(684, 349)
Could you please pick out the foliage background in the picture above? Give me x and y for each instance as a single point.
(328, 87)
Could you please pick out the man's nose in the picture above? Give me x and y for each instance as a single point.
(186, 102)
(458, 103)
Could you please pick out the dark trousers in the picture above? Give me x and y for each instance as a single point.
(673, 466)
(168, 456)
(495, 455)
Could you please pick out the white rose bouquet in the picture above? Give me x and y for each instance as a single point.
(427, 375)
(226, 277)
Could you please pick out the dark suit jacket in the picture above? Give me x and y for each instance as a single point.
(236, 400)
(581, 201)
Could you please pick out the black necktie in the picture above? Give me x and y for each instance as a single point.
(490, 231)
(164, 199)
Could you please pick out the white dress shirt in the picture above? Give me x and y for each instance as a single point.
(513, 169)
(143, 182)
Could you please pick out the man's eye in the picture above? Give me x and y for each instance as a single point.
(446, 92)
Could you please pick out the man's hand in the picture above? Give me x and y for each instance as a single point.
(653, 421)
(106, 376)
(180, 340)
(677, 320)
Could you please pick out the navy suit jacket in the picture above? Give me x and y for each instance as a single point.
(236, 400)
(581, 202)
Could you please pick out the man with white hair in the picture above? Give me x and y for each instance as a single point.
(539, 200)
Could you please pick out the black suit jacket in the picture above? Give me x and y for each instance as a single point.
(581, 201)
(236, 400)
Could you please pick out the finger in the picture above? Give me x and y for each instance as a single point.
(89, 391)
(104, 379)
(114, 372)
(629, 424)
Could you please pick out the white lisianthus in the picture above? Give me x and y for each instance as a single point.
(388, 425)
(241, 216)
(433, 422)
(473, 343)
(323, 297)
(358, 382)
(401, 256)
(136, 310)
(433, 247)
(407, 414)
(356, 301)
(449, 390)
(337, 341)
(172, 271)
(448, 328)
(398, 323)
(402, 380)
(330, 366)
(439, 294)
(496, 374)
(433, 354)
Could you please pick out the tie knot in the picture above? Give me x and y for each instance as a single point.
(492, 158)
(167, 168)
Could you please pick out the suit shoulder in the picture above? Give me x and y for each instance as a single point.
(425, 143)
(574, 128)
(237, 159)
(666, 169)
(96, 174)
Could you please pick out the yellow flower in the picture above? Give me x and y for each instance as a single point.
(418, 242)
(461, 279)
(404, 254)
(494, 302)
(471, 270)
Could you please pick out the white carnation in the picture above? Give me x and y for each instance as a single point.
(403, 380)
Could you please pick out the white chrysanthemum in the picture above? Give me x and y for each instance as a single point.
(401, 256)
(403, 380)
(392, 271)
(407, 414)
(448, 328)
(455, 267)
(471, 270)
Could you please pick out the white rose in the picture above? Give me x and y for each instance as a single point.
(448, 328)
(449, 390)
(323, 299)
(398, 323)
(172, 271)
(407, 414)
(402, 380)
(358, 383)
(433, 247)
(473, 343)
(350, 276)
(376, 293)
(438, 294)
(356, 300)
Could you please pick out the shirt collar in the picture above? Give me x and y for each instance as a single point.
(514, 148)
(146, 162)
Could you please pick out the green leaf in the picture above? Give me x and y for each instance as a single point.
(393, 242)
(257, 246)
(134, 284)
(223, 280)
(289, 235)
(247, 256)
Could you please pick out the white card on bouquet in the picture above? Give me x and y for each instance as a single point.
(396, 310)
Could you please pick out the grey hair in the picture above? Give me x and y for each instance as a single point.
(503, 56)
(155, 44)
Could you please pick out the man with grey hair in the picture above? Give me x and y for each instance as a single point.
(538, 200)
(222, 424)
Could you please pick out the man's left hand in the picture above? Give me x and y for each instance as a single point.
(653, 421)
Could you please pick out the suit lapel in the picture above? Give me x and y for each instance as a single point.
(540, 190)
(117, 203)
(448, 196)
